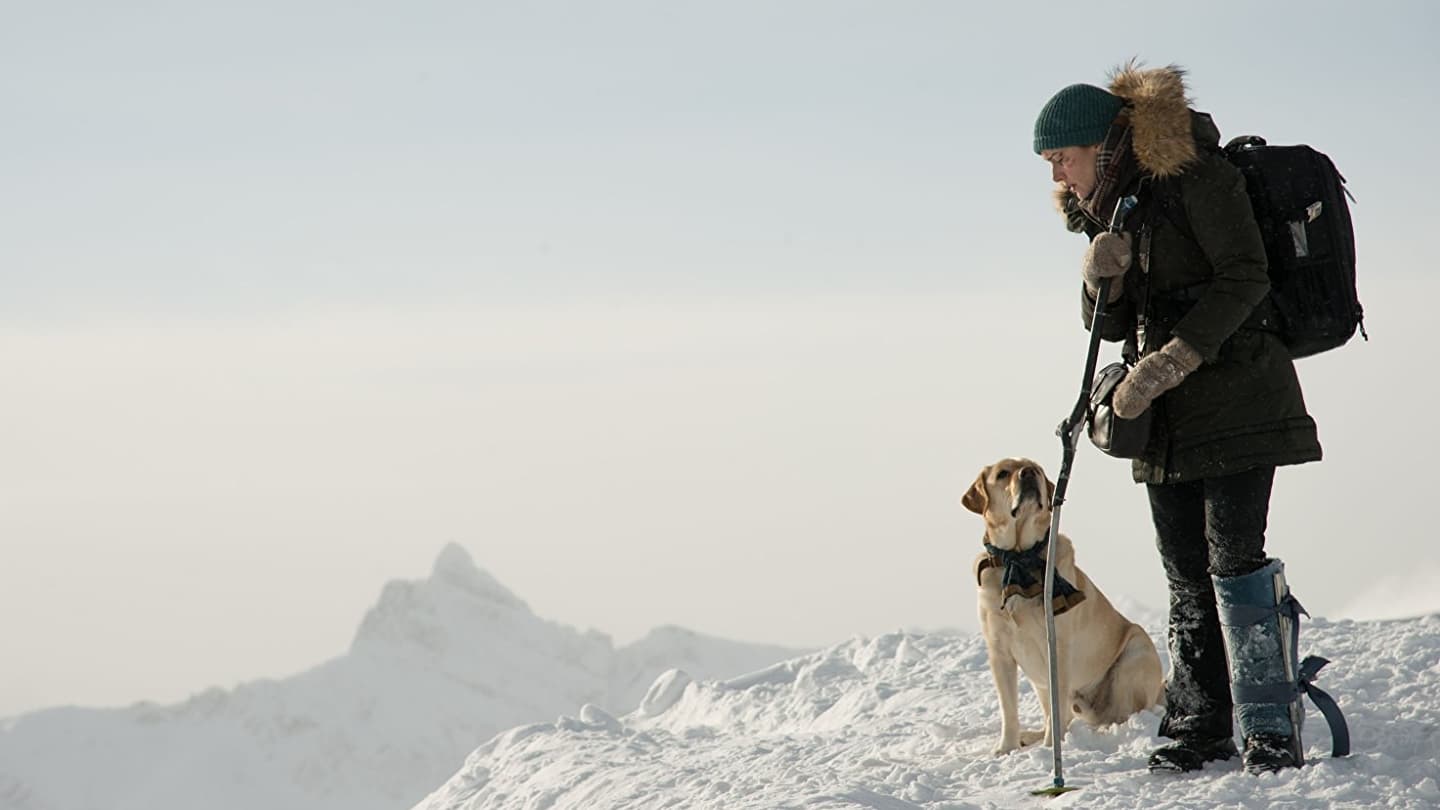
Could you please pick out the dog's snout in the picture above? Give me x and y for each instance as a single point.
(1027, 473)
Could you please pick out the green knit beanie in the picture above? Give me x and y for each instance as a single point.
(1079, 115)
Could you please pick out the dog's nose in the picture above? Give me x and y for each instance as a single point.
(1028, 472)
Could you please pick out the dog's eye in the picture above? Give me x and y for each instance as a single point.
(1002, 475)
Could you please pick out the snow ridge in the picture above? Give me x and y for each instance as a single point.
(907, 721)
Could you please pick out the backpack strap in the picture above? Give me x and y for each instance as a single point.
(1135, 343)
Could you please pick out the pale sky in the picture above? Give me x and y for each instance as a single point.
(668, 312)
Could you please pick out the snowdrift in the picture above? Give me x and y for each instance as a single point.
(908, 721)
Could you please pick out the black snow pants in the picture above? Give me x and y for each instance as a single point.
(1214, 526)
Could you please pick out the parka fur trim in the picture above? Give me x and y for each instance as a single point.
(1163, 136)
(1164, 142)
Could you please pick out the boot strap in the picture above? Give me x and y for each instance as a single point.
(1282, 692)
(1243, 615)
(1339, 731)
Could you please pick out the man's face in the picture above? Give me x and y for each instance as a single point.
(1074, 166)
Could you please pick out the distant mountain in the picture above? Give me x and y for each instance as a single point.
(437, 667)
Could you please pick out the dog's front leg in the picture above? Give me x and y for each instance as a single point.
(1067, 705)
(1007, 685)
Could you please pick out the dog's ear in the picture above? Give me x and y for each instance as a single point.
(977, 497)
(1049, 489)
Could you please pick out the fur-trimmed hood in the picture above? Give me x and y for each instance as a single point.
(1160, 119)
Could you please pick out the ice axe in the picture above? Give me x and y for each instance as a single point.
(1069, 433)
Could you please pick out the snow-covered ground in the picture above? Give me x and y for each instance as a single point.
(437, 667)
(908, 721)
(896, 722)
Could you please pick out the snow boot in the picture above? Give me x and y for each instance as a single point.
(1190, 753)
(1260, 620)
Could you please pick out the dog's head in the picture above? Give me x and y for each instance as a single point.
(1013, 495)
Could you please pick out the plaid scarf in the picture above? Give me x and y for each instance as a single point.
(1024, 576)
(1116, 169)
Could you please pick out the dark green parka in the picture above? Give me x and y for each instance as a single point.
(1199, 272)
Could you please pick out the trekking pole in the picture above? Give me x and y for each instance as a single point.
(1069, 433)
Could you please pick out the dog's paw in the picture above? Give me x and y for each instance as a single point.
(1028, 738)
(1005, 747)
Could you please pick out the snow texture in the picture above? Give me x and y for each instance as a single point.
(437, 667)
(906, 721)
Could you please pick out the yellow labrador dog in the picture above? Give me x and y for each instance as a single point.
(1107, 665)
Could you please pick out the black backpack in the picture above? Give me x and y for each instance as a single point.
(1299, 202)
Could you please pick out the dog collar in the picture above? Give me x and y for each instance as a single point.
(1024, 576)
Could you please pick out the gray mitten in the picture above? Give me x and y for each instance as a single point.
(1107, 257)
(1155, 374)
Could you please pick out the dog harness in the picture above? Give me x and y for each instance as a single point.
(1024, 575)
